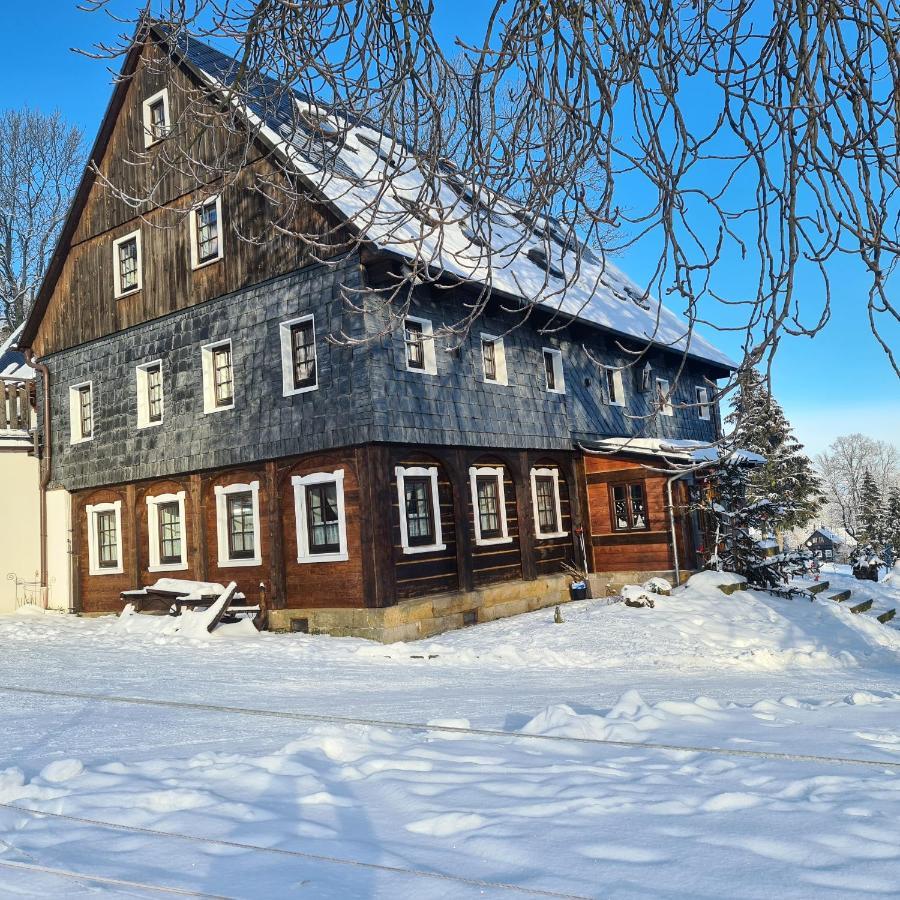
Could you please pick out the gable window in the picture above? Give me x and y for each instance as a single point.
(165, 528)
(157, 122)
(629, 507)
(663, 398)
(703, 404)
(546, 502)
(321, 522)
(615, 389)
(489, 504)
(420, 519)
(418, 338)
(81, 412)
(237, 524)
(149, 394)
(553, 371)
(493, 359)
(206, 238)
(104, 532)
(127, 264)
(298, 355)
(218, 377)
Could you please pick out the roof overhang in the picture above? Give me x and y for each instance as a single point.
(672, 453)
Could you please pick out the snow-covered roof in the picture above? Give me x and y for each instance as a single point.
(680, 451)
(12, 362)
(368, 177)
(831, 535)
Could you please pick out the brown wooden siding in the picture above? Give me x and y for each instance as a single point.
(83, 307)
(614, 551)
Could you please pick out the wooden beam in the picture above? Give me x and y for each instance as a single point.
(581, 517)
(459, 481)
(198, 517)
(522, 476)
(131, 517)
(367, 515)
(76, 521)
(275, 597)
(378, 504)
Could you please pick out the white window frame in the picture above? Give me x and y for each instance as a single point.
(663, 388)
(222, 492)
(300, 483)
(149, 138)
(705, 407)
(195, 255)
(429, 353)
(554, 474)
(499, 359)
(431, 472)
(287, 356)
(117, 279)
(558, 374)
(142, 385)
(618, 385)
(91, 510)
(153, 504)
(209, 377)
(498, 472)
(75, 435)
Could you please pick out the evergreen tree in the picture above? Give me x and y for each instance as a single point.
(787, 480)
(872, 514)
(892, 527)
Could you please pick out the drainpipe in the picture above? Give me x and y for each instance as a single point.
(672, 531)
(45, 467)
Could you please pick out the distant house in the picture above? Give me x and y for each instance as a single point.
(829, 546)
(19, 482)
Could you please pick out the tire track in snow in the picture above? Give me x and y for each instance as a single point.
(454, 729)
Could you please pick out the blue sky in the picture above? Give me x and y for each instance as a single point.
(834, 384)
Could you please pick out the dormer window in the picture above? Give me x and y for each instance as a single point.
(206, 228)
(127, 264)
(157, 122)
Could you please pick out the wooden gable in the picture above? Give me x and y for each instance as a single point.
(79, 300)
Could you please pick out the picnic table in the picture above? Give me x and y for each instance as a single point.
(170, 596)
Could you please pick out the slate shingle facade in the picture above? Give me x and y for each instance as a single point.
(365, 391)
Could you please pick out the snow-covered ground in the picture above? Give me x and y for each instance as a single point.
(797, 792)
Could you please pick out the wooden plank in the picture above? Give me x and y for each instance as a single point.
(522, 476)
(382, 497)
(631, 538)
(840, 596)
(887, 616)
(4, 405)
(198, 526)
(275, 597)
(130, 522)
(865, 606)
(76, 513)
(366, 527)
(459, 482)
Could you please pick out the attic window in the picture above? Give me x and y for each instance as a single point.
(539, 258)
(157, 122)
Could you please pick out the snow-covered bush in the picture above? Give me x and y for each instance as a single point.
(638, 596)
(658, 586)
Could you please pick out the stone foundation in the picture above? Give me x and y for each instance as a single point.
(424, 617)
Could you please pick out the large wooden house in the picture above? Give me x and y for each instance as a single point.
(201, 422)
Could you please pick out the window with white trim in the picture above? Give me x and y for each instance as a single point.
(218, 377)
(299, 363)
(546, 503)
(166, 532)
(487, 484)
(320, 517)
(615, 387)
(418, 339)
(148, 378)
(81, 412)
(206, 232)
(553, 371)
(420, 509)
(237, 524)
(493, 359)
(157, 122)
(703, 404)
(104, 533)
(663, 397)
(127, 277)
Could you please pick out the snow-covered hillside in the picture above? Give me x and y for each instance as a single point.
(778, 708)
